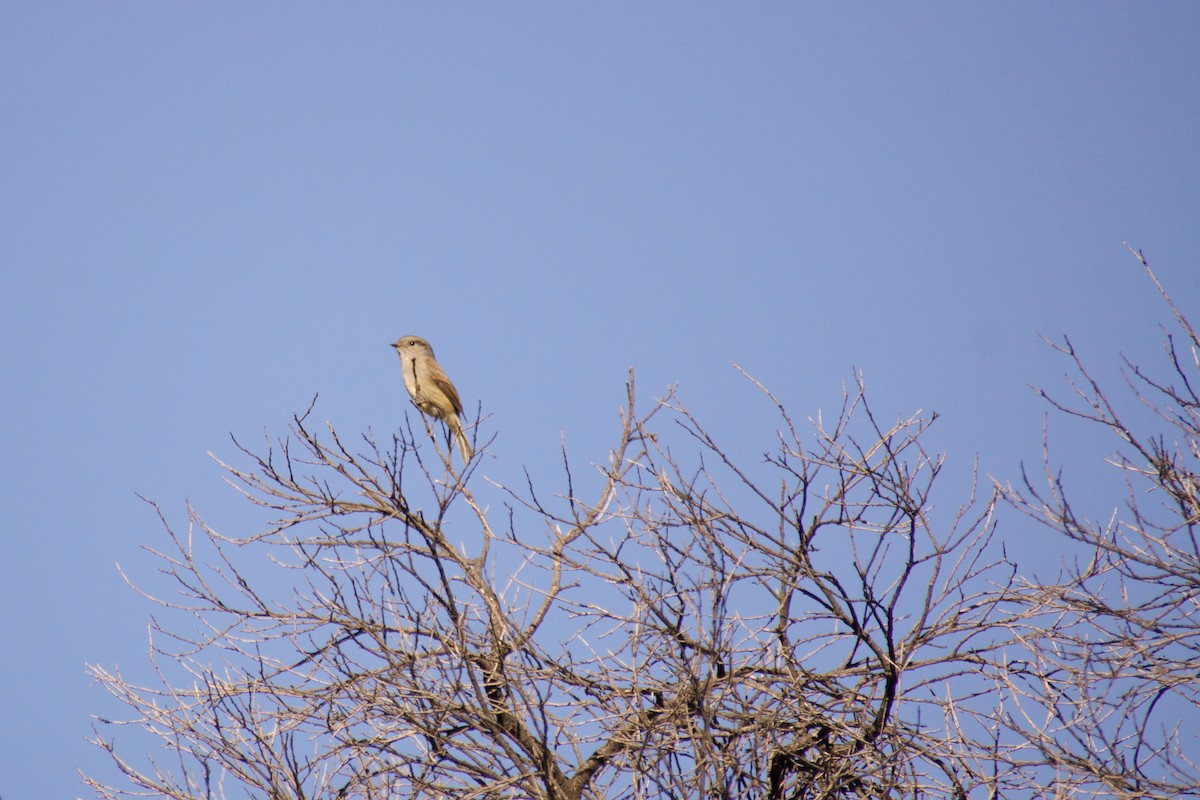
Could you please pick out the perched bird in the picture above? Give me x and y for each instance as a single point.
(431, 391)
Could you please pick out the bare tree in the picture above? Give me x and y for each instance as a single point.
(677, 622)
(806, 626)
(1109, 695)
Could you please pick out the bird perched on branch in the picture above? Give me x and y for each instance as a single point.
(431, 391)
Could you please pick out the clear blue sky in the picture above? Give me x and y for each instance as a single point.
(212, 211)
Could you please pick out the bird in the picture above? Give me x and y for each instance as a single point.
(431, 391)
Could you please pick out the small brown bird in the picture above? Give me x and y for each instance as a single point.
(431, 391)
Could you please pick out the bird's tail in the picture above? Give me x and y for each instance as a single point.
(464, 444)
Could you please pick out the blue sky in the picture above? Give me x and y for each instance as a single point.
(212, 212)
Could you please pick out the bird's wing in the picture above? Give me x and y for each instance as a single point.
(443, 383)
